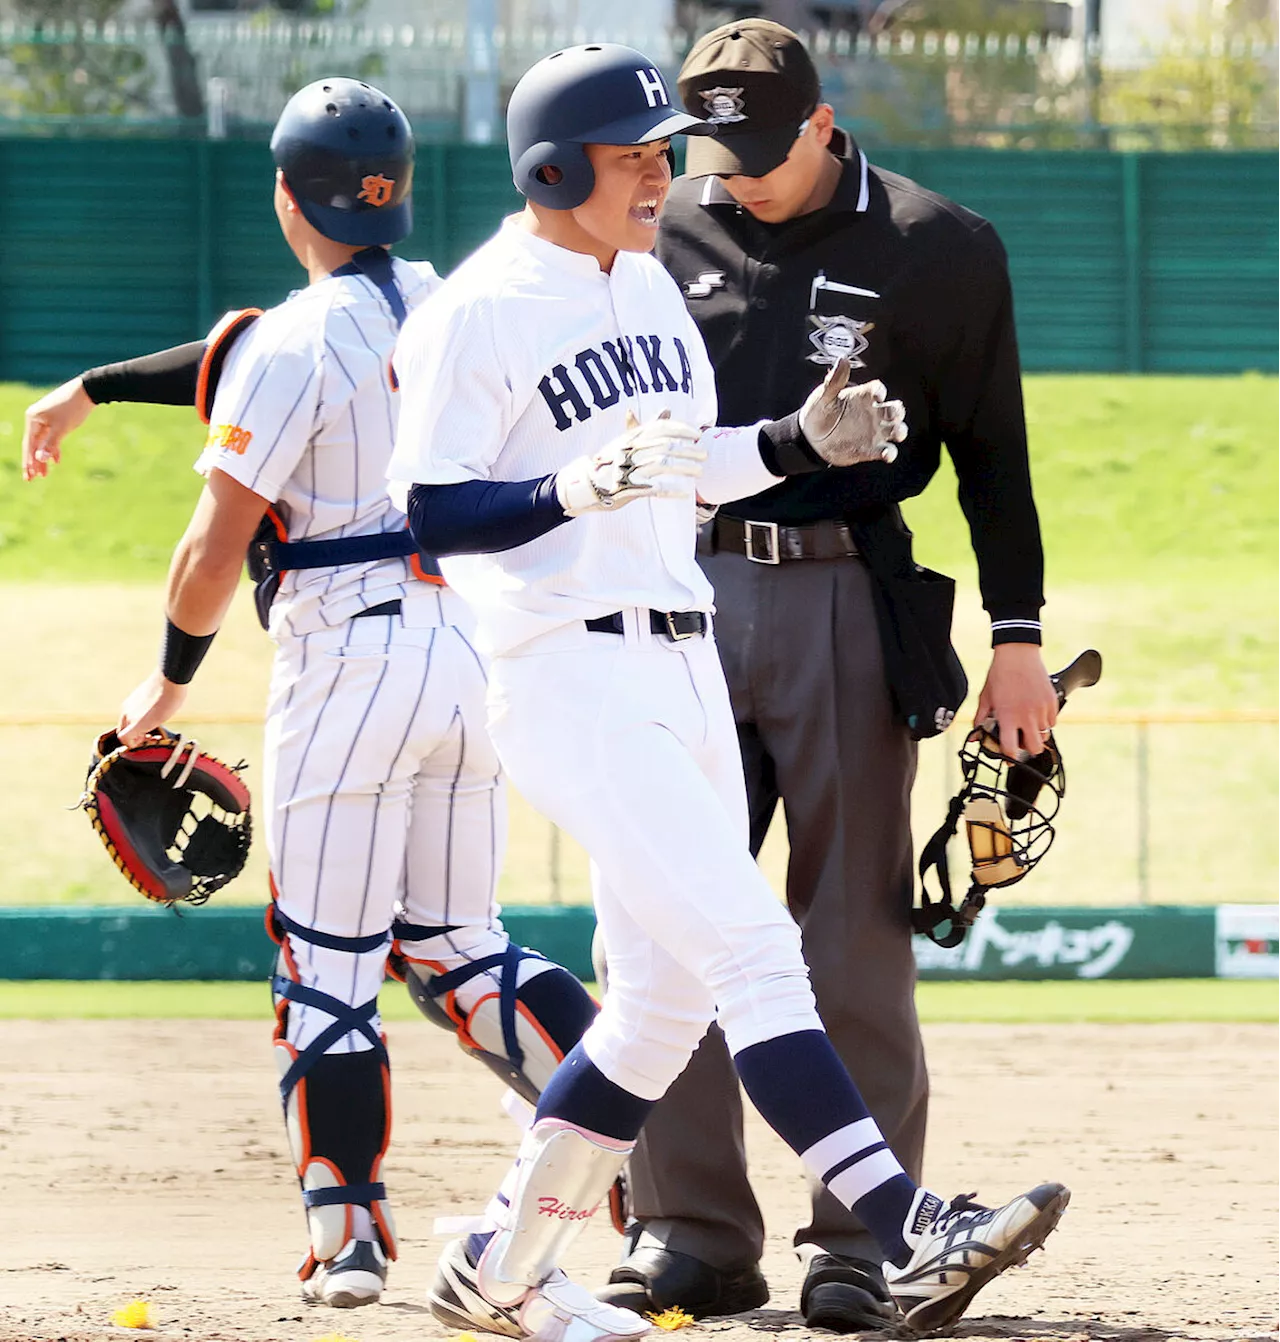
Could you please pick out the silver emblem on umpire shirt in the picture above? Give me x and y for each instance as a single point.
(703, 285)
(723, 105)
(839, 338)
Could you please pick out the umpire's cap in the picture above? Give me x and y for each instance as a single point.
(756, 85)
(597, 94)
(346, 152)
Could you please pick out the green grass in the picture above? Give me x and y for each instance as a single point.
(1158, 505)
(1141, 478)
(1117, 1001)
(114, 509)
(1138, 479)
(1158, 498)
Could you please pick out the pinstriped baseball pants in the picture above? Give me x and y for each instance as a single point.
(381, 787)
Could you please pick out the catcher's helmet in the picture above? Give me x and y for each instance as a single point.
(346, 152)
(597, 94)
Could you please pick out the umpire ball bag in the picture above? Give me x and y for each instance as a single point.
(913, 605)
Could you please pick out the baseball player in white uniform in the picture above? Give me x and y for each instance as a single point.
(383, 796)
(553, 439)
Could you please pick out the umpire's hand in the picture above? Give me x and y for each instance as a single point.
(1019, 695)
(846, 425)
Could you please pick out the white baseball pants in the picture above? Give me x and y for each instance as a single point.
(627, 742)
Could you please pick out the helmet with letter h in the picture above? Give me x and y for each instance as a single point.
(602, 93)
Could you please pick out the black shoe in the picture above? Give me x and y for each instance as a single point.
(846, 1295)
(651, 1280)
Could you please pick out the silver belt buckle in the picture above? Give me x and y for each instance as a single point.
(672, 632)
(751, 531)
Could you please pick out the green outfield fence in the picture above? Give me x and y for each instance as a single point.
(145, 944)
(1147, 262)
(1164, 866)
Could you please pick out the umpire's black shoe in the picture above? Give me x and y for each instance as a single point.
(650, 1280)
(846, 1295)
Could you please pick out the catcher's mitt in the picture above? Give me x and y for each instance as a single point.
(175, 820)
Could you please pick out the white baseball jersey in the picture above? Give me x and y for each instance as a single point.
(304, 416)
(380, 784)
(528, 357)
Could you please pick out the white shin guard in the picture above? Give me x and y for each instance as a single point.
(564, 1172)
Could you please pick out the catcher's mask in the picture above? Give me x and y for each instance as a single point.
(1008, 808)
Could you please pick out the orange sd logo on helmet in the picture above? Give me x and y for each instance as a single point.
(375, 190)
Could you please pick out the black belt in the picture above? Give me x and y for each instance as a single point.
(771, 543)
(675, 624)
(385, 608)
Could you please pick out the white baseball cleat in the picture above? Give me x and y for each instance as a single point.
(353, 1278)
(556, 1309)
(958, 1249)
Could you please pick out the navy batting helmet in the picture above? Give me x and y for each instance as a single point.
(598, 94)
(346, 152)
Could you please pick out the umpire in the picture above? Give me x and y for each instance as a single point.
(792, 250)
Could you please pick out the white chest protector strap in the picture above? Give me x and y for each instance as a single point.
(563, 1172)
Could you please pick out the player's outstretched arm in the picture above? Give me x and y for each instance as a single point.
(48, 421)
(202, 580)
(167, 377)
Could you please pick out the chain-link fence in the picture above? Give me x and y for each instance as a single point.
(1008, 90)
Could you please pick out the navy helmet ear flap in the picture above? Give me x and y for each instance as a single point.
(576, 175)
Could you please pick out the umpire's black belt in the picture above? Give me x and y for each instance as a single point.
(772, 543)
(676, 625)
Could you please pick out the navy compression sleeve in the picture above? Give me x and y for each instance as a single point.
(483, 516)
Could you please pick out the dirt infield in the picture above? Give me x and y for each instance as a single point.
(146, 1159)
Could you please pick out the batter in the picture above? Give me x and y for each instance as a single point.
(552, 439)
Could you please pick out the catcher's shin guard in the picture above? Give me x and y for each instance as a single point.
(510, 1008)
(337, 1108)
(563, 1172)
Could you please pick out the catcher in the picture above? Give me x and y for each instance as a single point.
(383, 795)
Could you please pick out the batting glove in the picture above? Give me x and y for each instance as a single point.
(656, 460)
(845, 425)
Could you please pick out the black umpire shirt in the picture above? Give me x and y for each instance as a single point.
(914, 289)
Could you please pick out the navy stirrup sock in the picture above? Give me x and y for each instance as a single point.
(581, 1094)
(806, 1095)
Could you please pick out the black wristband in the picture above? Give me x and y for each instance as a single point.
(785, 450)
(181, 653)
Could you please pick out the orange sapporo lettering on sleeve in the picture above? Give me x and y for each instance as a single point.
(230, 437)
